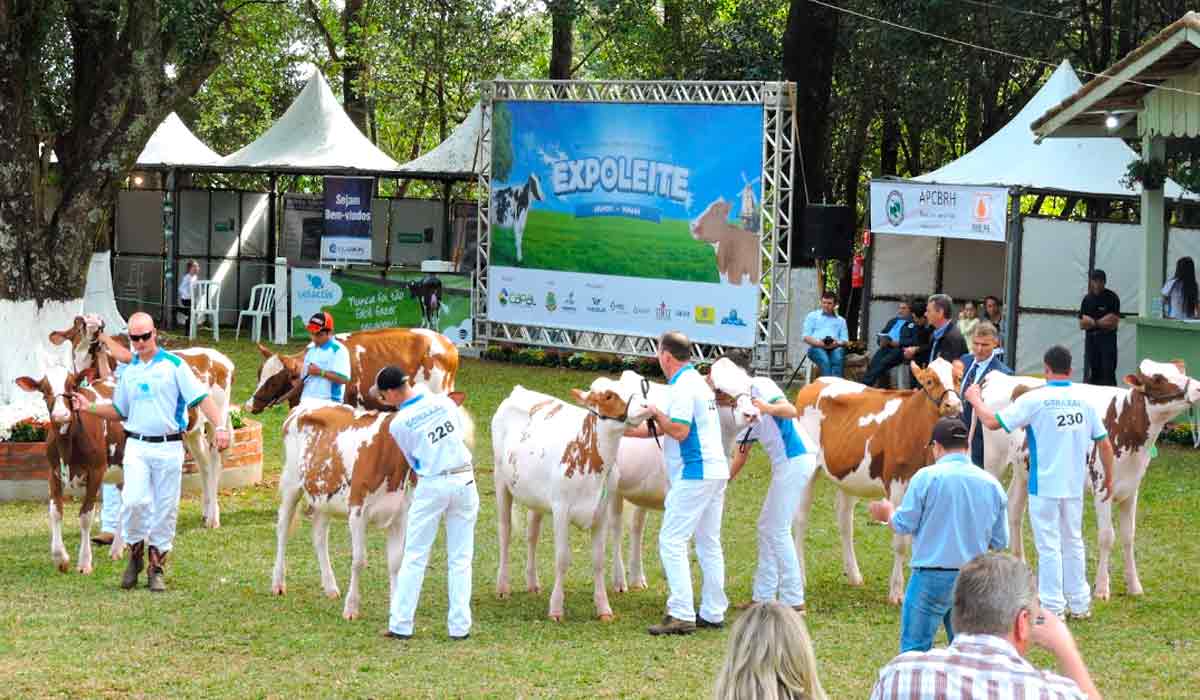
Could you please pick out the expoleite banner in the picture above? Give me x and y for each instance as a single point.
(347, 233)
(627, 218)
(947, 211)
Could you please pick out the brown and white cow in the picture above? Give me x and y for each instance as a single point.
(1134, 416)
(427, 357)
(552, 457)
(871, 442)
(738, 254)
(85, 445)
(342, 461)
(89, 356)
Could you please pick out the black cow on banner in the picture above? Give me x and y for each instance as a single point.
(428, 293)
(510, 207)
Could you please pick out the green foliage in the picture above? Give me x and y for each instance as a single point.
(1147, 174)
(27, 431)
(502, 150)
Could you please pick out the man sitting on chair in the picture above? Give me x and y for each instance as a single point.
(827, 337)
(899, 333)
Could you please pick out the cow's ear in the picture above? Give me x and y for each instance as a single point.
(458, 397)
(956, 372)
(262, 349)
(916, 369)
(1133, 380)
(28, 384)
(581, 397)
(57, 337)
(1181, 365)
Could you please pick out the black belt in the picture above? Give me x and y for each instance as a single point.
(173, 437)
(935, 568)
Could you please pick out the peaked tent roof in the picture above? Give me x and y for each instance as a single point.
(1011, 157)
(314, 135)
(457, 157)
(174, 145)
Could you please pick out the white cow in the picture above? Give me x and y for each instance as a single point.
(552, 457)
(1133, 416)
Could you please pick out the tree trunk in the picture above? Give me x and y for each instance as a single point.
(562, 41)
(889, 144)
(354, 68)
(673, 48)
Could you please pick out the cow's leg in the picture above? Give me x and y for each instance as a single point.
(901, 546)
(320, 541)
(208, 459)
(637, 531)
(58, 551)
(599, 591)
(562, 560)
(533, 530)
(86, 511)
(504, 503)
(1133, 584)
(800, 523)
(1018, 496)
(616, 523)
(519, 232)
(288, 498)
(845, 520)
(1104, 541)
(358, 561)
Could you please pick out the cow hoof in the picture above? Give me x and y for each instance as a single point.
(557, 617)
(212, 523)
(534, 589)
(85, 570)
(620, 589)
(1134, 588)
(606, 617)
(1101, 593)
(64, 565)
(279, 589)
(639, 585)
(117, 554)
(333, 594)
(895, 600)
(504, 594)
(350, 615)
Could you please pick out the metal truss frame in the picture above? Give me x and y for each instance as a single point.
(779, 139)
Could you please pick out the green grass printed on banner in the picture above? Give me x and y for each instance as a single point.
(408, 310)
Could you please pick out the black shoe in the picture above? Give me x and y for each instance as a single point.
(392, 635)
(130, 578)
(705, 624)
(461, 638)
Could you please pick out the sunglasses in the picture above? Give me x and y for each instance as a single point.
(143, 336)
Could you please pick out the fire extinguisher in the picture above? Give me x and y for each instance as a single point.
(856, 272)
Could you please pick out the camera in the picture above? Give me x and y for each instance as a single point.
(828, 340)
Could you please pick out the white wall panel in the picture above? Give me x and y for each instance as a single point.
(1054, 263)
(903, 265)
(1119, 254)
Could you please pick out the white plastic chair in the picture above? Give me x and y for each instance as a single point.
(262, 305)
(206, 297)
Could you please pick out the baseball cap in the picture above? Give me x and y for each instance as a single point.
(390, 377)
(949, 431)
(320, 321)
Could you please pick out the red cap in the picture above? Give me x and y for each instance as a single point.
(320, 321)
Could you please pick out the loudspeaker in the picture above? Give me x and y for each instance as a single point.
(827, 232)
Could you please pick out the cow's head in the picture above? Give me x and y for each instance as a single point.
(1165, 384)
(708, 226)
(535, 187)
(278, 377)
(937, 383)
(55, 387)
(612, 400)
(732, 387)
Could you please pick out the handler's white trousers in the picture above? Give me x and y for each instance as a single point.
(694, 507)
(778, 574)
(153, 475)
(1062, 563)
(456, 496)
(110, 508)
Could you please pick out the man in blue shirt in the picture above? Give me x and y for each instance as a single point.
(955, 512)
(826, 335)
(326, 370)
(984, 358)
(899, 333)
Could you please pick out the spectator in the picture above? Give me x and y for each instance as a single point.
(945, 341)
(954, 512)
(922, 334)
(770, 657)
(827, 337)
(992, 312)
(997, 618)
(1099, 315)
(1180, 293)
(984, 358)
(190, 277)
(968, 318)
(897, 334)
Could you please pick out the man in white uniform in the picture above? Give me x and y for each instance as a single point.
(778, 575)
(697, 472)
(151, 400)
(428, 429)
(326, 370)
(1061, 427)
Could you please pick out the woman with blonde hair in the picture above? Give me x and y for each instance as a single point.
(770, 657)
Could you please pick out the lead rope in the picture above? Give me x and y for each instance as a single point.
(650, 421)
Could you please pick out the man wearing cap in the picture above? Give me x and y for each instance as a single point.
(326, 370)
(150, 400)
(428, 429)
(954, 512)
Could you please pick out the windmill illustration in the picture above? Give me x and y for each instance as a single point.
(749, 210)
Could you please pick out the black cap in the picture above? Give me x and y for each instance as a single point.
(949, 432)
(391, 377)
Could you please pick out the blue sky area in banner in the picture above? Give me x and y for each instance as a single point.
(720, 145)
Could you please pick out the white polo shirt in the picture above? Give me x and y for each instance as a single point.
(331, 357)
(428, 429)
(699, 455)
(782, 438)
(1061, 427)
(153, 397)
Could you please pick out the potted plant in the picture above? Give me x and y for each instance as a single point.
(1149, 174)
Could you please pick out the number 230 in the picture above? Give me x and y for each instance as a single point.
(1066, 420)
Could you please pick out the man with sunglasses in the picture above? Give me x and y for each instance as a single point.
(326, 370)
(150, 401)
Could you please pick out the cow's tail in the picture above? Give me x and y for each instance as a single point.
(468, 423)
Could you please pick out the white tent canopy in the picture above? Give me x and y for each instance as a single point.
(313, 135)
(1012, 158)
(456, 157)
(174, 145)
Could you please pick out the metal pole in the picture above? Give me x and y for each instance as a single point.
(170, 194)
(1013, 277)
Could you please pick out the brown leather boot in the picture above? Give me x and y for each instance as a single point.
(154, 575)
(130, 578)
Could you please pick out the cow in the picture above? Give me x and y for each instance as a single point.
(342, 461)
(84, 445)
(510, 207)
(1133, 416)
(427, 357)
(738, 254)
(428, 293)
(552, 457)
(870, 443)
(89, 356)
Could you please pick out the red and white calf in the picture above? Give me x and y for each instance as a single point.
(555, 458)
(1133, 415)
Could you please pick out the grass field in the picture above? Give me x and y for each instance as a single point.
(219, 633)
(607, 245)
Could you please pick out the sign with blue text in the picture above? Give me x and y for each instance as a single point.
(947, 211)
(347, 233)
(627, 218)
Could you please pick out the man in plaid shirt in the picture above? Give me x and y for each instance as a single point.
(996, 617)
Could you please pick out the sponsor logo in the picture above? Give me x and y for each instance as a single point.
(594, 285)
(641, 310)
(894, 207)
(617, 308)
(732, 319)
(551, 302)
(315, 281)
(705, 314)
(568, 304)
(982, 213)
(597, 305)
(682, 313)
(662, 312)
(516, 298)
